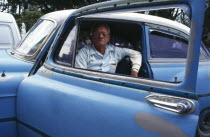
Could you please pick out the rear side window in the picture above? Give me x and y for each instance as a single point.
(164, 45)
(6, 37)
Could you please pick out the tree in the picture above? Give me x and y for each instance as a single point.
(29, 17)
(4, 6)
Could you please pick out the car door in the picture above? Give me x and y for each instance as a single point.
(61, 100)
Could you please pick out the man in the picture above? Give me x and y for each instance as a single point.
(101, 56)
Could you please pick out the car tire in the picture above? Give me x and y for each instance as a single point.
(204, 124)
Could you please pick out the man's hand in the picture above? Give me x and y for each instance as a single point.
(134, 73)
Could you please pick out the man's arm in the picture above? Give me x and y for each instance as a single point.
(136, 60)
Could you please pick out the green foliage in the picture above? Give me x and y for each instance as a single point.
(29, 17)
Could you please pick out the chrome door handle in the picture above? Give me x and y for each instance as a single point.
(175, 104)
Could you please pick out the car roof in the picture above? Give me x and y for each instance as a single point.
(141, 18)
(58, 16)
(6, 17)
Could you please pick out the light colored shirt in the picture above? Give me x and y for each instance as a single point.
(89, 58)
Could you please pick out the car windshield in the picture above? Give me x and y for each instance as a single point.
(35, 37)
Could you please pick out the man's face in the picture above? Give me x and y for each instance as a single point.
(100, 36)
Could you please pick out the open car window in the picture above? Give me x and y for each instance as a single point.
(121, 42)
(118, 38)
(35, 37)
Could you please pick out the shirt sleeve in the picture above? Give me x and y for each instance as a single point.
(81, 59)
(136, 60)
(135, 56)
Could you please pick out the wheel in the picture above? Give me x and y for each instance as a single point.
(204, 124)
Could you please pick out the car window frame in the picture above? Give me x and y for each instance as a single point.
(203, 50)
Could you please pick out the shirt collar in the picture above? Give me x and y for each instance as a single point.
(94, 51)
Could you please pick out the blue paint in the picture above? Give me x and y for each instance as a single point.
(59, 102)
(76, 105)
(8, 129)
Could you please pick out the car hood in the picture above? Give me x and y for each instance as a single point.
(8, 63)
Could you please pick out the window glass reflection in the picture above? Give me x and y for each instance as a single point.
(36, 37)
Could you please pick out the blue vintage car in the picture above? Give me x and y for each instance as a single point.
(168, 98)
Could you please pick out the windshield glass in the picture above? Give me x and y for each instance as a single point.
(36, 37)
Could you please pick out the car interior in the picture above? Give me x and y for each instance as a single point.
(122, 34)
